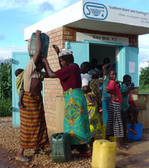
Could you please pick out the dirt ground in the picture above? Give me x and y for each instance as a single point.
(137, 156)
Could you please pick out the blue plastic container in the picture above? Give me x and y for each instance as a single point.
(138, 129)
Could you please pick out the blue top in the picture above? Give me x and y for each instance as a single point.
(105, 95)
(124, 105)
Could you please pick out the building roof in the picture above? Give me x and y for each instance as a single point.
(95, 16)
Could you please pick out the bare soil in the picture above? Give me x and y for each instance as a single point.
(137, 156)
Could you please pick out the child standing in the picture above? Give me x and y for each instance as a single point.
(86, 77)
(126, 108)
(94, 122)
(114, 124)
(94, 87)
(105, 98)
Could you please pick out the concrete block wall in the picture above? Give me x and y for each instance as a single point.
(52, 87)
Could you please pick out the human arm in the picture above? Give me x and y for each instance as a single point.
(112, 89)
(57, 50)
(38, 47)
(105, 67)
(111, 92)
(128, 91)
(49, 73)
(20, 104)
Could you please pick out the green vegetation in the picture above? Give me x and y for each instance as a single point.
(5, 104)
(5, 88)
(144, 80)
(144, 89)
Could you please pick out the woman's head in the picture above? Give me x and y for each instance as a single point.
(39, 64)
(65, 57)
(127, 80)
(112, 74)
(85, 67)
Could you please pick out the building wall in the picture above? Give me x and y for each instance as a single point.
(52, 89)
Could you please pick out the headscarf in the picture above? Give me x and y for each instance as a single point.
(65, 51)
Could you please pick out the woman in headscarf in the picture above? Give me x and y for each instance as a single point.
(76, 121)
(33, 130)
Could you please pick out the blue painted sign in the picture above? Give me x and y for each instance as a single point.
(95, 11)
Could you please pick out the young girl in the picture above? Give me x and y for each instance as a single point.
(114, 123)
(126, 108)
(105, 98)
(94, 122)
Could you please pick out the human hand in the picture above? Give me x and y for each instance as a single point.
(132, 85)
(114, 97)
(38, 32)
(43, 59)
(56, 48)
(20, 105)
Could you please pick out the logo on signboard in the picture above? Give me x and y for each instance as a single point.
(95, 11)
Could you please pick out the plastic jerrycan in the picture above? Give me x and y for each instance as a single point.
(61, 147)
(104, 154)
(111, 138)
(44, 44)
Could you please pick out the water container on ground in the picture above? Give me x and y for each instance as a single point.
(61, 147)
(111, 138)
(104, 153)
(138, 129)
(44, 44)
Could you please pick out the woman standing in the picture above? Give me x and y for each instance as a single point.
(33, 130)
(76, 121)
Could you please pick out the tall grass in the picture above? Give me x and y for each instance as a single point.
(5, 104)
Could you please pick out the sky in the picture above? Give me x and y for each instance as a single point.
(16, 15)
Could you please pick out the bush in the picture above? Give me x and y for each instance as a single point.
(144, 89)
(5, 80)
(5, 104)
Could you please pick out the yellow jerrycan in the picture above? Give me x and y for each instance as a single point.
(111, 138)
(104, 154)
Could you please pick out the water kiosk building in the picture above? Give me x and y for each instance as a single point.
(90, 30)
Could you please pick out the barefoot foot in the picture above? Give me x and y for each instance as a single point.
(133, 131)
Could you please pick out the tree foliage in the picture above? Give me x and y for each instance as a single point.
(5, 80)
(144, 76)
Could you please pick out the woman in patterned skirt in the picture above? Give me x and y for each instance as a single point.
(76, 121)
(33, 130)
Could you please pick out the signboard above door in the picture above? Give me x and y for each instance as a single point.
(80, 37)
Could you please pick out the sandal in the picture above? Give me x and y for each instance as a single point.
(90, 103)
(23, 159)
(40, 151)
(84, 154)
